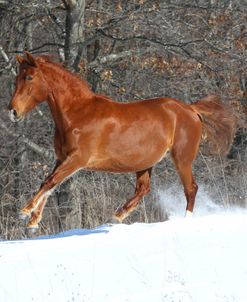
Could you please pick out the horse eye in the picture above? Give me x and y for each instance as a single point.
(28, 78)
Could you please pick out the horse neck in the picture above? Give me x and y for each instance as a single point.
(67, 92)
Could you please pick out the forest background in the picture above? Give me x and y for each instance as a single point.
(127, 50)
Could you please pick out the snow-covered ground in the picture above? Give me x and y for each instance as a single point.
(202, 259)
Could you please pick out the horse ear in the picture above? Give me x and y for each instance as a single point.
(20, 59)
(30, 59)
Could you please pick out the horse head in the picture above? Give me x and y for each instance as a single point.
(31, 88)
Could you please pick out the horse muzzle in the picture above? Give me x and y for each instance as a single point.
(14, 116)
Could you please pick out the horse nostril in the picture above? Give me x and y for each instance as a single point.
(14, 112)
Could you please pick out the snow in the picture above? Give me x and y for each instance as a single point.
(199, 259)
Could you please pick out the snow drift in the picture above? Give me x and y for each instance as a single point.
(199, 259)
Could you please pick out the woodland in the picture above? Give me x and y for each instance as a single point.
(127, 50)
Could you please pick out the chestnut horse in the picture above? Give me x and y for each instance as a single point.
(96, 133)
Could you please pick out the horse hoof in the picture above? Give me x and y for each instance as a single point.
(113, 220)
(116, 219)
(188, 214)
(31, 230)
(24, 216)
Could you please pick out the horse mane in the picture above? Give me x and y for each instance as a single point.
(60, 67)
(52, 58)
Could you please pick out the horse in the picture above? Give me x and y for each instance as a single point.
(94, 132)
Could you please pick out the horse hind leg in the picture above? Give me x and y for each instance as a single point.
(184, 169)
(142, 188)
(190, 187)
(190, 193)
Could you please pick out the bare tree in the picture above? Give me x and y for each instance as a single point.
(127, 50)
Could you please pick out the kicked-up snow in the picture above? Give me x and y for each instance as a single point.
(202, 259)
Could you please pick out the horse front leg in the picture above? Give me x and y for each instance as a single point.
(34, 209)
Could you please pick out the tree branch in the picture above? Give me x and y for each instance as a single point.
(46, 44)
(39, 150)
(144, 38)
(118, 56)
(181, 45)
(6, 59)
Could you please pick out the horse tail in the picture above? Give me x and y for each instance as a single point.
(218, 123)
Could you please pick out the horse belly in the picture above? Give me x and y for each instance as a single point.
(125, 157)
(122, 164)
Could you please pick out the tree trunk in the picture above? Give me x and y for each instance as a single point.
(68, 197)
(74, 30)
